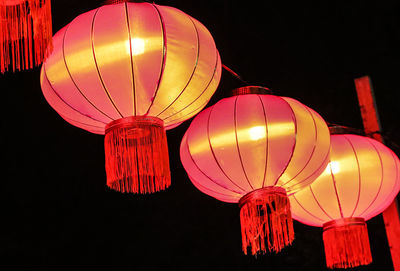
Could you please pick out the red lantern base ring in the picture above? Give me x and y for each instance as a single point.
(136, 154)
(266, 221)
(346, 243)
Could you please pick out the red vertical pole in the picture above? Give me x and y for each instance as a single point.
(370, 117)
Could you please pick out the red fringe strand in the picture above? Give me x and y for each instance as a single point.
(136, 154)
(25, 33)
(266, 221)
(346, 243)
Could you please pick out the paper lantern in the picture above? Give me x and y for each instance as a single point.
(360, 181)
(254, 149)
(130, 71)
(25, 33)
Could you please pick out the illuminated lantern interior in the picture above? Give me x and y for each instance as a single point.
(131, 71)
(360, 181)
(25, 33)
(255, 149)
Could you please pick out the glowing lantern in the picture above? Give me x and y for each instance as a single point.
(255, 149)
(360, 181)
(25, 33)
(132, 70)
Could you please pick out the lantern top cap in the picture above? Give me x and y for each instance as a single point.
(250, 90)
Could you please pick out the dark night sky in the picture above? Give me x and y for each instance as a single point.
(56, 210)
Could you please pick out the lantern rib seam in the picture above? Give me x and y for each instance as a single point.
(266, 139)
(86, 124)
(201, 94)
(212, 151)
(312, 152)
(319, 205)
(191, 112)
(397, 171)
(67, 104)
(194, 70)
(308, 212)
(131, 58)
(294, 145)
(336, 192)
(72, 79)
(326, 157)
(194, 163)
(212, 190)
(97, 67)
(237, 142)
(164, 35)
(381, 182)
(359, 175)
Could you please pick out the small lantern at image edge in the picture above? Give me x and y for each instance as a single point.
(255, 149)
(25, 33)
(361, 180)
(131, 71)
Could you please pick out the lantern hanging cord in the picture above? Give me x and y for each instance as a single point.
(237, 76)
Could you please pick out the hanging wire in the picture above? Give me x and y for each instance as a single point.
(237, 76)
(246, 83)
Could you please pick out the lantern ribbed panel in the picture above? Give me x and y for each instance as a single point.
(130, 59)
(139, 64)
(361, 180)
(247, 147)
(247, 142)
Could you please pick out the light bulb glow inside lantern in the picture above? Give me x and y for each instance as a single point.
(333, 167)
(137, 44)
(257, 132)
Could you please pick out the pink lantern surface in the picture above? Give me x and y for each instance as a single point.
(360, 181)
(254, 149)
(129, 71)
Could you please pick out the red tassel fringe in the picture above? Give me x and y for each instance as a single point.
(25, 33)
(136, 154)
(346, 243)
(266, 221)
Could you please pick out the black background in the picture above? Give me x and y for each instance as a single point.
(56, 210)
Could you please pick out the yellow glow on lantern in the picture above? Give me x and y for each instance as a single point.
(333, 167)
(254, 133)
(257, 132)
(138, 46)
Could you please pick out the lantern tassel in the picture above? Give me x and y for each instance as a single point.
(266, 221)
(346, 243)
(136, 154)
(25, 33)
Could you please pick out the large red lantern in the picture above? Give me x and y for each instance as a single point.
(132, 70)
(25, 33)
(360, 181)
(254, 149)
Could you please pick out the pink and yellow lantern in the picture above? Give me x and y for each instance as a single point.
(360, 181)
(130, 71)
(255, 149)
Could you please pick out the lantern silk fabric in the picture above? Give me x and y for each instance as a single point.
(361, 180)
(253, 150)
(130, 59)
(248, 142)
